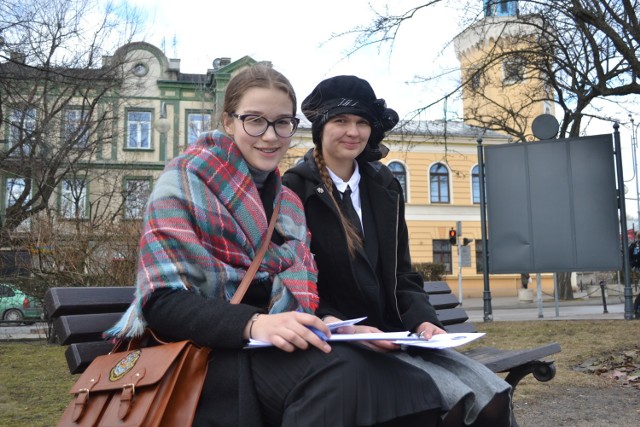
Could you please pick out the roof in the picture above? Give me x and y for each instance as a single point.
(432, 127)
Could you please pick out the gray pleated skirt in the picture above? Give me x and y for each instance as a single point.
(458, 378)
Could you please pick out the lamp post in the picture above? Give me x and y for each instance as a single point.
(163, 125)
(486, 294)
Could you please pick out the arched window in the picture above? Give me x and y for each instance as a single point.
(439, 183)
(400, 173)
(475, 184)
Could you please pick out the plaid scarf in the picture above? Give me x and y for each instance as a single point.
(203, 226)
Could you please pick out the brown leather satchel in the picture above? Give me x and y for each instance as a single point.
(152, 383)
(158, 385)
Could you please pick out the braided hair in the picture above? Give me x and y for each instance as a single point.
(354, 241)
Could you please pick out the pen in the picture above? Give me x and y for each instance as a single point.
(319, 333)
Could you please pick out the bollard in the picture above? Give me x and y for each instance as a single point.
(604, 298)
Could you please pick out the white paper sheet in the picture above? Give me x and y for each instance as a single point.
(444, 340)
(335, 325)
(402, 338)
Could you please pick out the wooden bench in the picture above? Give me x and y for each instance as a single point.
(516, 363)
(80, 315)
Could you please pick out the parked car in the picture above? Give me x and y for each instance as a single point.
(16, 306)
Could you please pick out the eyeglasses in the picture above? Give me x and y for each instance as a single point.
(255, 125)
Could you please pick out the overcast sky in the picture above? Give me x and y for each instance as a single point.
(297, 36)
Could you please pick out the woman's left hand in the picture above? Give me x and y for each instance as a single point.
(426, 330)
(377, 345)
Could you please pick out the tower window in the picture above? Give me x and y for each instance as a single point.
(513, 70)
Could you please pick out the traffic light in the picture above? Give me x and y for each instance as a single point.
(453, 236)
(466, 241)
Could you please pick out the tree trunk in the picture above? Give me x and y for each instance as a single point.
(565, 292)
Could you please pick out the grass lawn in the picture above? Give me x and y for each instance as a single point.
(34, 384)
(34, 380)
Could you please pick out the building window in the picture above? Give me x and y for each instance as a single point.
(475, 184)
(22, 124)
(500, 8)
(439, 179)
(474, 79)
(17, 188)
(479, 257)
(73, 198)
(197, 123)
(140, 69)
(135, 197)
(139, 126)
(76, 129)
(400, 173)
(513, 70)
(442, 254)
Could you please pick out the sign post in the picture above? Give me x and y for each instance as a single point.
(459, 232)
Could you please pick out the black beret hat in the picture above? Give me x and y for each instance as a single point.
(350, 95)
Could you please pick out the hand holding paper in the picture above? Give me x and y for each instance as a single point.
(402, 338)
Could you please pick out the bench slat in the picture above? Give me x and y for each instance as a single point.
(450, 316)
(505, 360)
(84, 327)
(82, 300)
(79, 356)
(437, 288)
(441, 301)
(460, 328)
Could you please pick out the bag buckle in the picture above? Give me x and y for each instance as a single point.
(82, 397)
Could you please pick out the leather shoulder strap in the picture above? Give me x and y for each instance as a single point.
(255, 264)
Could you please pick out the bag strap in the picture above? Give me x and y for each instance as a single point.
(255, 264)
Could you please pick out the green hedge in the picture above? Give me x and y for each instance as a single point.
(430, 271)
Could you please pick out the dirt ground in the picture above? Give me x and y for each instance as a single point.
(616, 406)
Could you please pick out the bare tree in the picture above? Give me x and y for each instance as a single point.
(56, 94)
(92, 237)
(579, 54)
(581, 50)
(59, 96)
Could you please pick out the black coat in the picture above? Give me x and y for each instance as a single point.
(379, 283)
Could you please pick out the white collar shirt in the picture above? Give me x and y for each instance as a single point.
(353, 183)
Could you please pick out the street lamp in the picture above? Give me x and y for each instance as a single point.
(163, 125)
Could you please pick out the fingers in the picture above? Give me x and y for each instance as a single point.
(290, 331)
(427, 330)
(346, 330)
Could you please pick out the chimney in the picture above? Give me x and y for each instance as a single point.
(18, 57)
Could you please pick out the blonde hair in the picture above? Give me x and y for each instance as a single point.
(260, 75)
(354, 241)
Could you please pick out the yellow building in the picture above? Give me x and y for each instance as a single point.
(502, 89)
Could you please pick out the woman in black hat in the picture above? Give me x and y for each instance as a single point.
(355, 212)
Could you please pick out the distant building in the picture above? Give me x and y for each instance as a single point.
(502, 89)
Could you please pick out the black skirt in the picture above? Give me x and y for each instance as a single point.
(351, 386)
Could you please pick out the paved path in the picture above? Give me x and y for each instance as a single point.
(24, 332)
(510, 309)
